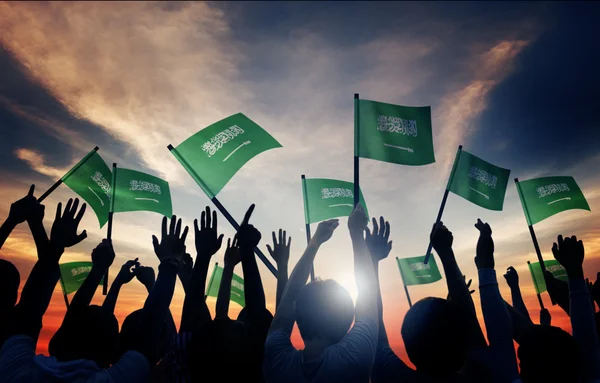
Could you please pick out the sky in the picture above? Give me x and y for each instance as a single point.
(515, 83)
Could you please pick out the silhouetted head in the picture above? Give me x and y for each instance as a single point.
(129, 337)
(324, 311)
(549, 354)
(435, 335)
(230, 347)
(9, 285)
(90, 333)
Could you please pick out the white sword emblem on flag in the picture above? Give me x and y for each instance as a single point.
(146, 199)
(236, 149)
(342, 204)
(102, 202)
(561, 199)
(477, 191)
(399, 147)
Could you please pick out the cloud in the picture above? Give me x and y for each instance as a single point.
(38, 163)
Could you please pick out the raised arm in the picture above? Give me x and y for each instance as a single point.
(125, 276)
(558, 291)
(570, 253)
(248, 239)
(208, 242)
(145, 275)
(25, 209)
(284, 316)
(281, 254)
(458, 290)
(169, 251)
(38, 289)
(232, 258)
(512, 280)
(495, 315)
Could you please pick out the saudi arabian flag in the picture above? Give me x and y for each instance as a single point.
(415, 272)
(546, 196)
(73, 274)
(213, 155)
(537, 274)
(137, 191)
(326, 198)
(394, 133)
(237, 286)
(478, 181)
(91, 179)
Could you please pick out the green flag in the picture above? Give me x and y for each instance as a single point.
(237, 286)
(546, 196)
(91, 179)
(73, 274)
(415, 272)
(394, 133)
(326, 198)
(478, 181)
(537, 274)
(137, 191)
(213, 155)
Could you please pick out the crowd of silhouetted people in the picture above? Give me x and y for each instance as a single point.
(343, 341)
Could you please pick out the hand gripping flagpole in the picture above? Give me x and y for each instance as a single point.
(443, 205)
(306, 220)
(219, 206)
(73, 170)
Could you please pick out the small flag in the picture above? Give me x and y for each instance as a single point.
(137, 191)
(546, 196)
(326, 198)
(479, 181)
(91, 179)
(537, 274)
(213, 155)
(73, 274)
(237, 286)
(394, 133)
(415, 272)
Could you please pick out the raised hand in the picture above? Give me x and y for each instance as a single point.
(25, 208)
(545, 317)
(232, 254)
(569, 252)
(145, 275)
(127, 271)
(485, 246)
(358, 221)
(441, 238)
(171, 247)
(208, 241)
(65, 226)
(468, 284)
(248, 236)
(512, 277)
(281, 249)
(377, 241)
(103, 255)
(325, 231)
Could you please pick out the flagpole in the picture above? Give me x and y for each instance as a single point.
(444, 199)
(404, 283)
(73, 169)
(306, 220)
(219, 206)
(356, 150)
(210, 282)
(110, 222)
(539, 297)
(62, 285)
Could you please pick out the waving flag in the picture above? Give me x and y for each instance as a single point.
(546, 196)
(557, 270)
(415, 272)
(326, 198)
(73, 274)
(237, 286)
(213, 155)
(479, 181)
(394, 133)
(91, 179)
(137, 191)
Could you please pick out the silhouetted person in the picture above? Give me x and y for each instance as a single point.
(9, 290)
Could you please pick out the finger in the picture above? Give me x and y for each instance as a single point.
(270, 250)
(58, 211)
(68, 207)
(375, 226)
(31, 190)
(289, 242)
(172, 224)
(178, 228)
(81, 213)
(284, 238)
(81, 237)
(560, 239)
(387, 231)
(390, 246)
(208, 218)
(367, 231)
(184, 234)
(163, 228)
(196, 230)
(203, 220)
(74, 207)
(235, 240)
(214, 219)
(381, 226)
(220, 241)
(274, 239)
(229, 243)
(248, 215)
(155, 243)
(280, 236)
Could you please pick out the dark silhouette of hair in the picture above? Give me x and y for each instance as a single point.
(324, 310)
(89, 333)
(231, 348)
(9, 285)
(549, 354)
(436, 336)
(129, 337)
